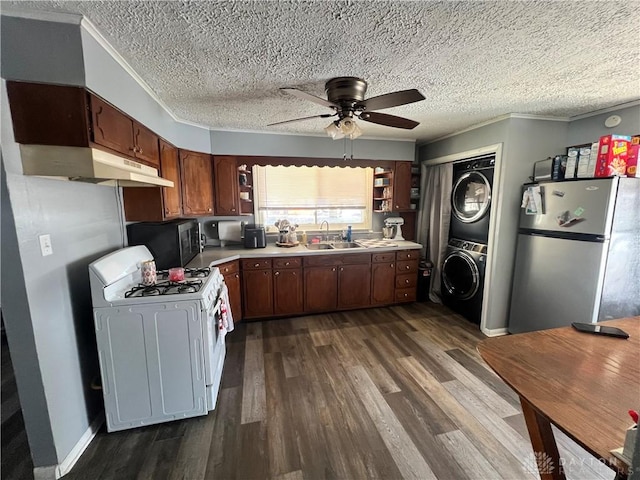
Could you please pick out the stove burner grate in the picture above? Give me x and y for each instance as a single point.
(164, 288)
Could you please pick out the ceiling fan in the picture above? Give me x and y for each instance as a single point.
(345, 96)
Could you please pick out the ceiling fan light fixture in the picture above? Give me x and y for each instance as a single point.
(334, 131)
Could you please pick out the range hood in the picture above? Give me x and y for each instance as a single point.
(88, 165)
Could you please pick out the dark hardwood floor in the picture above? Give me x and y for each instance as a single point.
(389, 393)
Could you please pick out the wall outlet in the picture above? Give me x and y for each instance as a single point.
(45, 245)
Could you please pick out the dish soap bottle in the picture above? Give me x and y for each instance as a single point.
(303, 237)
(349, 233)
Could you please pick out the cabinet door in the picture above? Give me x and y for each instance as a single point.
(197, 183)
(225, 177)
(257, 289)
(232, 281)
(170, 169)
(354, 286)
(287, 291)
(111, 128)
(402, 186)
(320, 289)
(146, 148)
(382, 285)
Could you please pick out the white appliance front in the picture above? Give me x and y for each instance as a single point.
(151, 360)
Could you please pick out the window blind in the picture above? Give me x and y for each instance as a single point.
(280, 188)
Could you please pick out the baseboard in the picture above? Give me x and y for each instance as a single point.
(54, 472)
(495, 332)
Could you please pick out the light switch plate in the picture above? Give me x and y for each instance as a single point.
(45, 245)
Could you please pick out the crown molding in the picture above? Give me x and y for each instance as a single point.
(614, 108)
(496, 120)
(300, 134)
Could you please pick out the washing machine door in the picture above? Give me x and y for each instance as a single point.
(471, 196)
(460, 275)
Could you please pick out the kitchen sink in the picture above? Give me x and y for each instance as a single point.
(345, 245)
(318, 246)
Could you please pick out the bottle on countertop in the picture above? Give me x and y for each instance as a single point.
(303, 237)
(349, 236)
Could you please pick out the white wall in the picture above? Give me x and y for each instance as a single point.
(590, 129)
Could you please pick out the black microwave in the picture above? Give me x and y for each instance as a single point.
(172, 244)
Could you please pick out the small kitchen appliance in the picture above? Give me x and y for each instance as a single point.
(161, 346)
(394, 223)
(172, 244)
(255, 236)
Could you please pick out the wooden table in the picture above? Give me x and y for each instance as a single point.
(582, 383)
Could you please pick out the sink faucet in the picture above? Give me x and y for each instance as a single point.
(327, 237)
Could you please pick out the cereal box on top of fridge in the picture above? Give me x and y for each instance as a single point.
(632, 160)
(613, 152)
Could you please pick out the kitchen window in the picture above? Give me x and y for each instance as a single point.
(310, 195)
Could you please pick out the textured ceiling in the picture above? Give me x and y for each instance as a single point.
(220, 64)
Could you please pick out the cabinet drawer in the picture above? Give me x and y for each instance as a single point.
(287, 262)
(407, 266)
(406, 280)
(321, 260)
(408, 255)
(256, 263)
(228, 268)
(383, 257)
(405, 295)
(355, 259)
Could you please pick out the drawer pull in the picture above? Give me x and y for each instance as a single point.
(277, 273)
(257, 265)
(406, 295)
(408, 267)
(286, 263)
(406, 281)
(391, 265)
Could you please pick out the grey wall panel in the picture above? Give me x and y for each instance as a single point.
(108, 79)
(41, 51)
(479, 137)
(590, 129)
(84, 222)
(527, 142)
(244, 143)
(20, 337)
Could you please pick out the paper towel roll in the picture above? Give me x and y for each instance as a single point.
(230, 231)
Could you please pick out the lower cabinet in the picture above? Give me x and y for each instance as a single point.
(257, 290)
(231, 273)
(325, 283)
(288, 296)
(321, 292)
(383, 277)
(354, 286)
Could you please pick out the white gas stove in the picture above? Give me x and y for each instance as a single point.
(161, 347)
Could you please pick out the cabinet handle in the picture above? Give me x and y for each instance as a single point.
(277, 273)
(257, 265)
(286, 263)
(208, 209)
(406, 295)
(139, 149)
(341, 269)
(391, 265)
(295, 273)
(233, 209)
(237, 275)
(406, 281)
(333, 269)
(407, 267)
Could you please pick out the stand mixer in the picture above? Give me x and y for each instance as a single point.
(392, 230)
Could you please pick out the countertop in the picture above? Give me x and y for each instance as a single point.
(212, 256)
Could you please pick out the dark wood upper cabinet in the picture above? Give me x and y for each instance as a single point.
(225, 177)
(146, 146)
(402, 186)
(197, 183)
(170, 169)
(49, 114)
(145, 204)
(113, 129)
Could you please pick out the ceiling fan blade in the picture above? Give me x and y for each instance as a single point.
(389, 120)
(389, 100)
(324, 115)
(307, 96)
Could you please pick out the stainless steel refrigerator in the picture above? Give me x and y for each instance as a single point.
(578, 257)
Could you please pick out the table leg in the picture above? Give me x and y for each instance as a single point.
(543, 442)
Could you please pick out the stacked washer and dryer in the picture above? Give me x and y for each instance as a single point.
(464, 264)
